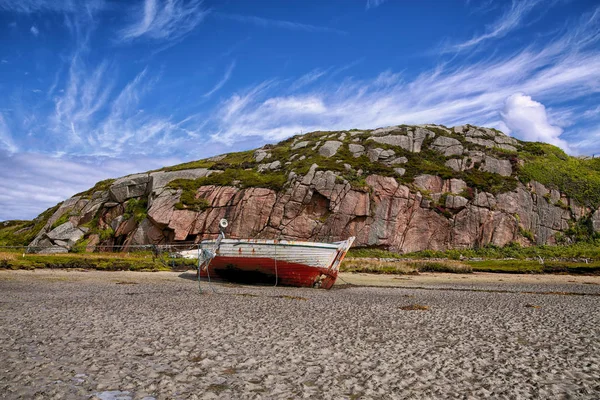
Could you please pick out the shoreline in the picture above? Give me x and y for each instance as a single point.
(344, 278)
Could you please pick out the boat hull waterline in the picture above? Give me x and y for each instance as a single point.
(289, 263)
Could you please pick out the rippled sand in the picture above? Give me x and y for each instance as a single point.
(126, 335)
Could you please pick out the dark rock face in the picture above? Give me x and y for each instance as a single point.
(322, 205)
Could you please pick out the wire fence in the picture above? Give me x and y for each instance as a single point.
(101, 248)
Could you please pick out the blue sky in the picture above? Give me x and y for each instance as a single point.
(97, 89)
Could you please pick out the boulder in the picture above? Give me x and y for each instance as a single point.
(125, 228)
(447, 146)
(386, 130)
(66, 233)
(356, 149)
(402, 141)
(496, 166)
(482, 142)
(484, 199)
(160, 179)
(455, 186)
(128, 187)
(53, 250)
(430, 183)
(419, 136)
(329, 148)
(456, 202)
(503, 139)
(146, 233)
(270, 166)
(379, 154)
(506, 147)
(397, 160)
(411, 140)
(299, 145)
(400, 171)
(65, 207)
(91, 208)
(261, 154)
(373, 154)
(456, 164)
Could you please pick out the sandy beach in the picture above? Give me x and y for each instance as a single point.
(138, 335)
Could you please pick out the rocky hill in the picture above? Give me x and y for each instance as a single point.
(403, 188)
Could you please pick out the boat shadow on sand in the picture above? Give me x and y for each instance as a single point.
(234, 276)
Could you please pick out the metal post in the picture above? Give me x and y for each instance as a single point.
(199, 288)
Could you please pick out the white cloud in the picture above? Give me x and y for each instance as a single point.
(35, 6)
(374, 3)
(6, 140)
(223, 80)
(165, 20)
(266, 22)
(586, 141)
(528, 120)
(592, 113)
(296, 105)
(308, 78)
(34, 31)
(568, 68)
(32, 182)
(510, 20)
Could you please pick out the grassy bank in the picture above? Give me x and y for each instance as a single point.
(534, 267)
(98, 261)
(578, 258)
(582, 250)
(414, 266)
(402, 267)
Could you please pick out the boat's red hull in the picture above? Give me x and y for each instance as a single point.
(266, 270)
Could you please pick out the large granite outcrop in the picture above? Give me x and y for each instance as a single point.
(427, 212)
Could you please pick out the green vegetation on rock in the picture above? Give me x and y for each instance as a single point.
(242, 178)
(98, 187)
(578, 178)
(21, 233)
(136, 208)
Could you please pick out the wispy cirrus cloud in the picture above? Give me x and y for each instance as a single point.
(32, 182)
(267, 23)
(223, 80)
(100, 119)
(84, 95)
(6, 140)
(512, 18)
(566, 69)
(374, 3)
(164, 19)
(35, 6)
(309, 78)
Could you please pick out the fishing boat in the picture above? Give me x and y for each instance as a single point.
(283, 262)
